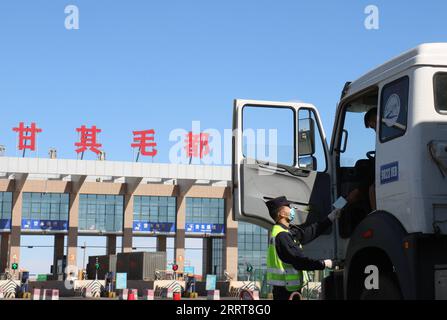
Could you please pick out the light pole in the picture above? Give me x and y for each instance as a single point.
(96, 267)
(83, 258)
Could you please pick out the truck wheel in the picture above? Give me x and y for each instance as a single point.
(388, 290)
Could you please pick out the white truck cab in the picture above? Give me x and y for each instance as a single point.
(398, 219)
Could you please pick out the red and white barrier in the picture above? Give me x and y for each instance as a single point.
(36, 294)
(213, 295)
(168, 293)
(177, 296)
(133, 294)
(148, 294)
(124, 294)
(51, 294)
(89, 293)
(255, 294)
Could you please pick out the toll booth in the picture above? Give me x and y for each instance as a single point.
(60, 269)
(107, 263)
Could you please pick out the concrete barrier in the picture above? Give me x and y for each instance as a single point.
(213, 295)
(9, 295)
(54, 284)
(36, 294)
(51, 294)
(124, 294)
(249, 294)
(166, 288)
(236, 287)
(176, 296)
(92, 293)
(9, 288)
(135, 293)
(9, 285)
(148, 294)
(255, 294)
(167, 293)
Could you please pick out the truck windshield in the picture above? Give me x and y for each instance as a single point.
(440, 84)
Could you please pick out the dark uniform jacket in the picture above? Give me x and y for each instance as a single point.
(290, 252)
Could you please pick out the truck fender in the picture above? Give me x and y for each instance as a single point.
(382, 232)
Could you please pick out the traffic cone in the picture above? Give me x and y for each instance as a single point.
(176, 296)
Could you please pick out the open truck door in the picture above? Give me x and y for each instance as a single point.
(280, 149)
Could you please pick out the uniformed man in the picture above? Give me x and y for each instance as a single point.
(286, 262)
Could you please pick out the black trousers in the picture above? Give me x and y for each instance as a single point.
(281, 293)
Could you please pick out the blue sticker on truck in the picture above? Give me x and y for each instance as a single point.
(389, 173)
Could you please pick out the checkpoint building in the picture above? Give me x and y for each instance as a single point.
(71, 198)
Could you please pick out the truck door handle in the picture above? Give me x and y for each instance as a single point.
(274, 168)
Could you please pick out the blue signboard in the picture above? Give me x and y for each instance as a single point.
(5, 224)
(51, 225)
(146, 226)
(389, 173)
(205, 228)
(188, 270)
(121, 280)
(211, 282)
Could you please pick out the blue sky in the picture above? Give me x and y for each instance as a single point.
(162, 64)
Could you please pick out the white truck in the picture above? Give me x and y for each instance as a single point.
(405, 235)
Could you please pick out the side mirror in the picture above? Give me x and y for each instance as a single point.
(308, 163)
(306, 137)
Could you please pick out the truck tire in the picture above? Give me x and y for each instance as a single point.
(388, 290)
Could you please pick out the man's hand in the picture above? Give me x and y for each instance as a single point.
(335, 214)
(328, 263)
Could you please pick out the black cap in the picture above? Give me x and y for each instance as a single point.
(276, 203)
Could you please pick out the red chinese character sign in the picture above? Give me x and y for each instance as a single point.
(145, 142)
(88, 139)
(197, 145)
(27, 134)
(202, 145)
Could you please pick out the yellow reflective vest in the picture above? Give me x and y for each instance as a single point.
(281, 274)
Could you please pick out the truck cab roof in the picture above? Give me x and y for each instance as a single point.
(428, 54)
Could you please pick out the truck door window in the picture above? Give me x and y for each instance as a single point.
(360, 140)
(268, 134)
(310, 143)
(394, 109)
(440, 86)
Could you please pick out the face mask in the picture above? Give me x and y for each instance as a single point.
(292, 214)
